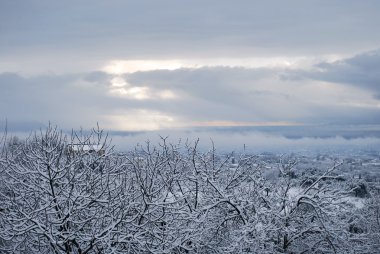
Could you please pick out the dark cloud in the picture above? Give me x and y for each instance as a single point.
(219, 93)
(61, 99)
(361, 71)
(221, 85)
(240, 94)
(98, 77)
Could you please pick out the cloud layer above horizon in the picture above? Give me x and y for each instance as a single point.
(164, 65)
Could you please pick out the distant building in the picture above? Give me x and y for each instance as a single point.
(234, 163)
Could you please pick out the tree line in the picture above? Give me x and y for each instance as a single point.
(171, 198)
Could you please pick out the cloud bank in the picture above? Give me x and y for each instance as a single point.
(167, 66)
(337, 93)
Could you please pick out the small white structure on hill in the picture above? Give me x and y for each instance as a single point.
(234, 163)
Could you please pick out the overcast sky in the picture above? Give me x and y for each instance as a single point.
(163, 65)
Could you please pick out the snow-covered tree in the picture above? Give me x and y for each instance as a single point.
(73, 194)
(55, 201)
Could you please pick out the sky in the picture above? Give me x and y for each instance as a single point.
(264, 73)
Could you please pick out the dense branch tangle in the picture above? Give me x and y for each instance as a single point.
(164, 198)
